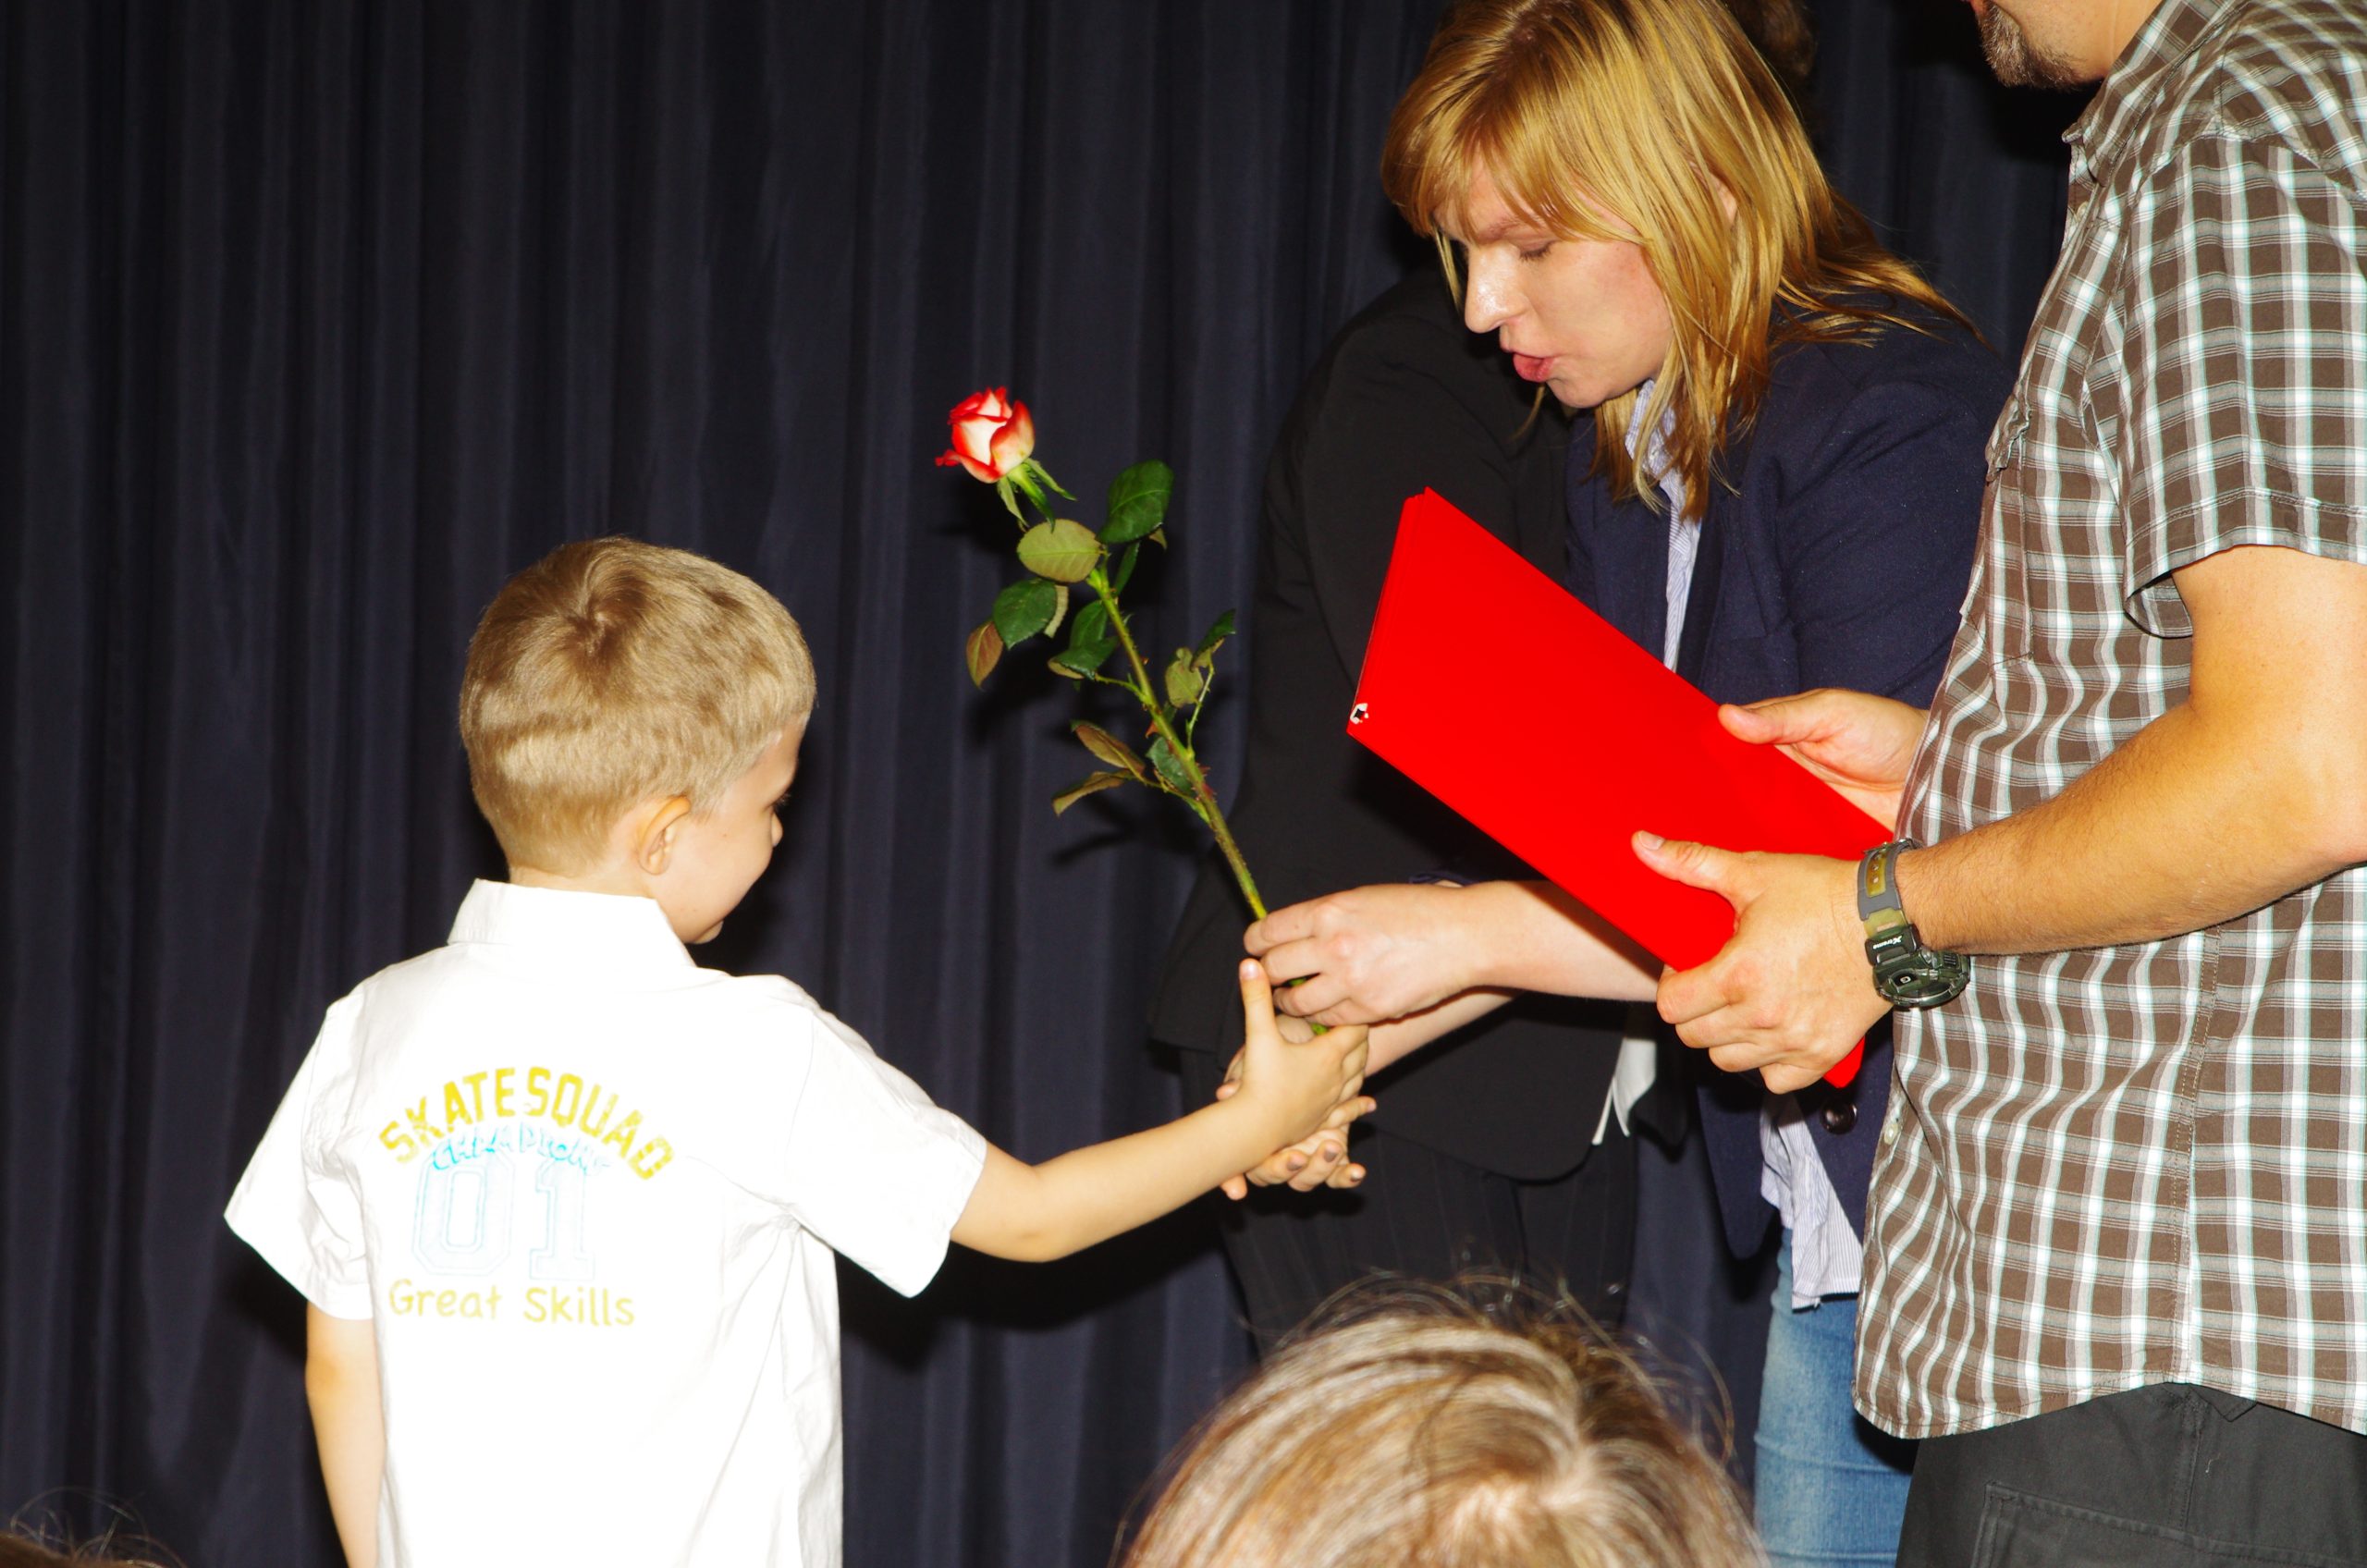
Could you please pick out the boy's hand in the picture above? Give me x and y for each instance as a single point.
(1307, 1089)
(1293, 1085)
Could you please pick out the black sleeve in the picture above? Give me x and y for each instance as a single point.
(1396, 415)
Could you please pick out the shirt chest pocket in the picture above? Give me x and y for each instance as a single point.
(2007, 437)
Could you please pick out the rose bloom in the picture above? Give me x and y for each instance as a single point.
(991, 435)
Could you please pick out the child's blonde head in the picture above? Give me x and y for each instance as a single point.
(612, 672)
(1412, 1427)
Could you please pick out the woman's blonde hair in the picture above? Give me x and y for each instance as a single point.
(1411, 1426)
(1640, 120)
(611, 672)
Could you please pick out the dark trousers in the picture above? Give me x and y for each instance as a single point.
(2168, 1476)
(1423, 1215)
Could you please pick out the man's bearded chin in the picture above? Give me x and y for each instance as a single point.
(2016, 61)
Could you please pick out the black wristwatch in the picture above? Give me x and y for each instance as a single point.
(1906, 972)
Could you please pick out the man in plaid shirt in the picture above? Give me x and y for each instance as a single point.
(2116, 1260)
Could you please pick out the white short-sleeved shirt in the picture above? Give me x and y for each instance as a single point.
(589, 1193)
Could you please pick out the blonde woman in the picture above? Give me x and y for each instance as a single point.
(1410, 1427)
(1779, 491)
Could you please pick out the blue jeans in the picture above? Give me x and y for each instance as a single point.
(1832, 1490)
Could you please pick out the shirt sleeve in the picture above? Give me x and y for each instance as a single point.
(295, 1205)
(2243, 405)
(1391, 421)
(872, 1166)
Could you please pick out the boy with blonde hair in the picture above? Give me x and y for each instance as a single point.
(565, 1206)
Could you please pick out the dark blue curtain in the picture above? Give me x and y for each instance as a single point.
(319, 317)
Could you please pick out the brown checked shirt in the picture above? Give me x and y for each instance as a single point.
(2148, 1163)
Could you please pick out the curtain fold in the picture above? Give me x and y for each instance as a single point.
(318, 318)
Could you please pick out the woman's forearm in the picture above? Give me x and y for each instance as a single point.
(1401, 1038)
(1534, 936)
(1395, 950)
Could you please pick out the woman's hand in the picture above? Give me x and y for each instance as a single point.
(1369, 953)
(1860, 745)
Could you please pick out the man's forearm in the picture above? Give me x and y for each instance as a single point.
(2254, 786)
(2195, 819)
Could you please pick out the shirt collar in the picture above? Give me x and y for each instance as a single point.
(1653, 457)
(2137, 78)
(604, 929)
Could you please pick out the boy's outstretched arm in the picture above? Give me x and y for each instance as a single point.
(1046, 1211)
(341, 1385)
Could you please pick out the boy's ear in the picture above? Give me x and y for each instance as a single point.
(657, 826)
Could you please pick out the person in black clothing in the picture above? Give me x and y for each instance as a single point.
(1483, 1163)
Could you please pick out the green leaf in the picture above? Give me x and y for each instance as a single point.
(1076, 663)
(1024, 609)
(1062, 550)
(1091, 626)
(982, 651)
(1075, 793)
(1112, 750)
(1003, 488)
(1157, 536)
(1139, 502)
(1185, 683)
(1216, 637)
(1170, 768)
(1059, 608)
(1125, 570)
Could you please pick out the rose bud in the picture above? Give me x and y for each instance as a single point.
(992, 434)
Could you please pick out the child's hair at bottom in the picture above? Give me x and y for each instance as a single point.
(24, 1547)
(1406, 1425)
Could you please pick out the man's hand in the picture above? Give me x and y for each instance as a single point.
(1792, 992)
(1861, 745)
(1367, 954)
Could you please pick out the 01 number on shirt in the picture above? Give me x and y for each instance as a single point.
(464, 1223)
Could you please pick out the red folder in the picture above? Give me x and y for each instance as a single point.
(1488, 684)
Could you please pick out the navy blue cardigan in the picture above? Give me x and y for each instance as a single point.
(1835, 552)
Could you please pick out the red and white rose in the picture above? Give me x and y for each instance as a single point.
(992, 436)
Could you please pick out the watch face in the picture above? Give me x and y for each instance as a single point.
(1914, 989)
(1928, 979)
(1906, 972)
